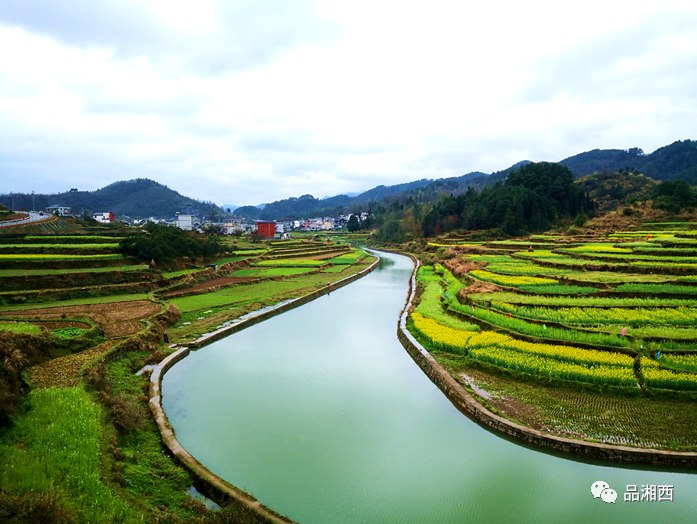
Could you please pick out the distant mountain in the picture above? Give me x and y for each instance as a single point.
(460, 184)
(250, 212)
(677, 161)
(231, 207)
(599, 160)
(292, 207)
(307, 205)
(383, 191)
(139, 198)
(350, 194)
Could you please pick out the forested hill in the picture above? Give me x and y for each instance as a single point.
(139, 198)
(531, 199)
(677, 161)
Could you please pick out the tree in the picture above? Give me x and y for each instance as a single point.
(391, 230)
(163, 243)
(353, 224)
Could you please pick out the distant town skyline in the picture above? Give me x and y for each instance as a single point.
(251, 102)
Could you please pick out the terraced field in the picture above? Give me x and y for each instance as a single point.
(590, 318)
(67, 298)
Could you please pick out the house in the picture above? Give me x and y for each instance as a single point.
(62, 211)
(232, 227)
(266, 228)
(185, 222)
(104, 218)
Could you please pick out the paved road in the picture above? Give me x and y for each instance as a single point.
(34, 216)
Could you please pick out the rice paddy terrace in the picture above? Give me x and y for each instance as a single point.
(589, 338)
(82, 273)
(77, 319)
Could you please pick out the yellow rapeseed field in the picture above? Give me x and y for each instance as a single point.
(564, 362)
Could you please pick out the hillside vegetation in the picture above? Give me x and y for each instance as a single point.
(612, 189)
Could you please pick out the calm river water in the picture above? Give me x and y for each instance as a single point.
(323, 416)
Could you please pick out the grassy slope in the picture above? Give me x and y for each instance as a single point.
(206, 312)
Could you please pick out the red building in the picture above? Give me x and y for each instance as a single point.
(266, 228)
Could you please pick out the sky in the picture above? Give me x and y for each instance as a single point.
(244, 102)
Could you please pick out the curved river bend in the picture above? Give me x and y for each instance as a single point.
(323, 416)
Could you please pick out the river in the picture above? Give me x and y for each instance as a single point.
(322, 415)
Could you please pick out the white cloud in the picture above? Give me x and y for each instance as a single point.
(247, 102)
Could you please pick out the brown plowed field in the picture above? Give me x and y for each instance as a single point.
(117, 318)
(58, 325)
(63, 372)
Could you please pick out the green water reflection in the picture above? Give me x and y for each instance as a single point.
(322, 415)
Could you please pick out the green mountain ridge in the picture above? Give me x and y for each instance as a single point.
(143, 198)
(138, 198)
(677, 161)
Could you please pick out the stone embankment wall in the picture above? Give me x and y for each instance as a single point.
(467, 404)
(205, 481)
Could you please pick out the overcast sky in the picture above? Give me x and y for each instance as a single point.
(243, 102)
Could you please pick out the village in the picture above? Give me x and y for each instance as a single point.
(193, 220)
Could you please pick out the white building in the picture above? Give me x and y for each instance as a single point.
(63, 211)
(185, 222)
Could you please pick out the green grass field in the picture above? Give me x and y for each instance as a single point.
(51, 458)
(44, 256)
(300, 262)
(20, 327)
(272, 272)
(29, 272)
(172, 274)
(50, 247)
